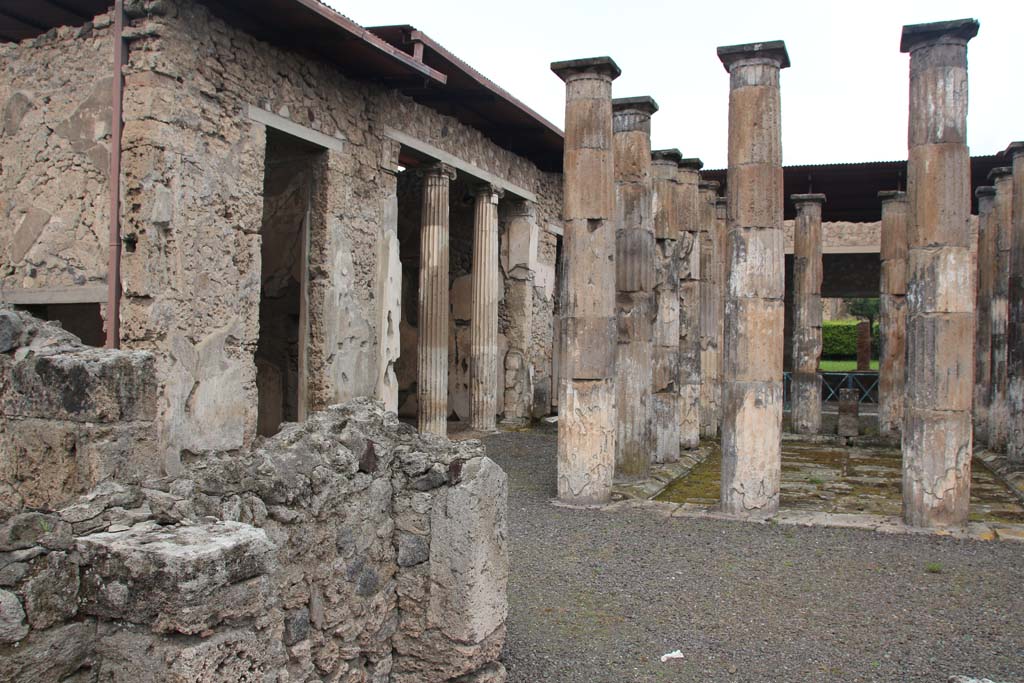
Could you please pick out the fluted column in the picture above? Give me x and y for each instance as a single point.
(432, 368)
(483, 350)
(1015, 312)
(983, 313)
(937, 436)
(892, 317)
(806, 401)
(1002, 217)
(665, 385)
(752, 358)
(689, 207)
(710, 312)
(634, 278)
(587, 411)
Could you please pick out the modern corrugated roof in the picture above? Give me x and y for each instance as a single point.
(852, 188)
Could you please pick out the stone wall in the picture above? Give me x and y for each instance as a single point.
(54, 142)
(347, 548)
(71, 416)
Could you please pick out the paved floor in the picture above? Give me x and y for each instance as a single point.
(598, 596)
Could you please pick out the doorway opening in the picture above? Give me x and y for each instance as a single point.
(291, 171)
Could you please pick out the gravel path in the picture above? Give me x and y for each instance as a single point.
(598, 597)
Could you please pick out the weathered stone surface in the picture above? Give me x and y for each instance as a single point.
(849, 412)
(51, 594)
(10, 331)
(54, 654)
(484, 325)
(986, 257)
(892, 313)
(12, 618)
(937, 441)
(863, 346)
(587, 413)
(1002, 217)
(1015, 321)
(752, 363)
(807, 274)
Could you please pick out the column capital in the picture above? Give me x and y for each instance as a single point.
(596, 66)
(691, 164)
(999, 172)
(772, 51)
(921, 35)
(489, 188)
(892, 196)
(672, 156)
(437, 169)
(985, 191)
(523, 208)
(643, 104)
(1014, 149)
(801, 199)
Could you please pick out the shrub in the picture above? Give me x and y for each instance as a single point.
(839, 339)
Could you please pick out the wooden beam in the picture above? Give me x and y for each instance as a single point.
(81, 294)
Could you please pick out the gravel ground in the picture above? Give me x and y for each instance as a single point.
(598, 597)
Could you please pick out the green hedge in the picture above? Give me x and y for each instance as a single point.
(839, 339)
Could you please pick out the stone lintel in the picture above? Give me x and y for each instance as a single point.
(604, 66)
(644, 104)
(892, 195)
(1014, 149)
(999, 172)
(799, 199)
(916, 35)
(437, 168)
(691, 163)
(709, 185)
(985, 191)
(772, 49)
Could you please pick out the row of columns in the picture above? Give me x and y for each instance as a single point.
(432, 349)
(738, 270)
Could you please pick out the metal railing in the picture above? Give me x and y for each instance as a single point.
(832, 382)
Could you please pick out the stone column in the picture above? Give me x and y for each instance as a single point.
(691, 227)
(587, 411)
(983, 315)
(863, 346)
(940, 283)
(521, 252)
(634, 281)
(1002, 217)
(806, 392)
(432, 368)
(710, 320)
(486, 278)
(665, 380)
(892, 317)
(389, 282)
(1015, 312)
(752, 359)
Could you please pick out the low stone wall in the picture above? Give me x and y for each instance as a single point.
(346, 548)
(71, 416)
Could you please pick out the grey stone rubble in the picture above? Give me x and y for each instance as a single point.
(348, 547)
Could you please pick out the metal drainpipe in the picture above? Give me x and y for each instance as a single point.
(117, 126)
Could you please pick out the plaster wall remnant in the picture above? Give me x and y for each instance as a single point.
(806, 392)
(432, 377)
(1015, 313)
(892, 320)
(937, 439)
(634, 277)
(752, 358)
(483, 355)
(983, 315)
(587, 411)
(666, 408)
(1001, 224)
(710, 312)
(690, 210)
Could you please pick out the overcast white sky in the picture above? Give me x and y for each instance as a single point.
(844, 98)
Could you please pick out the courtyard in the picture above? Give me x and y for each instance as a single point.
(599, 596)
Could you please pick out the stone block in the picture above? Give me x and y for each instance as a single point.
(177, 579)
(751, 447)
(51, 594)
(634, 259)
(940, 367)
(664, 368)
(754, 196)
(593, 196)
(665, 421)
(53, 654)
(10, 331)
(938, 95)
(586, 456)
(753, 341)
(91, 385)
(941, 280)
(939, 196)
(12, 619)
(755, 263)
(469, 554)
(849, 412)
(590, 353)
(754, 128)
(634, 317)
(590, 274)
(937, 448)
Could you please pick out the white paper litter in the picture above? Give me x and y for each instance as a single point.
(675, 654)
